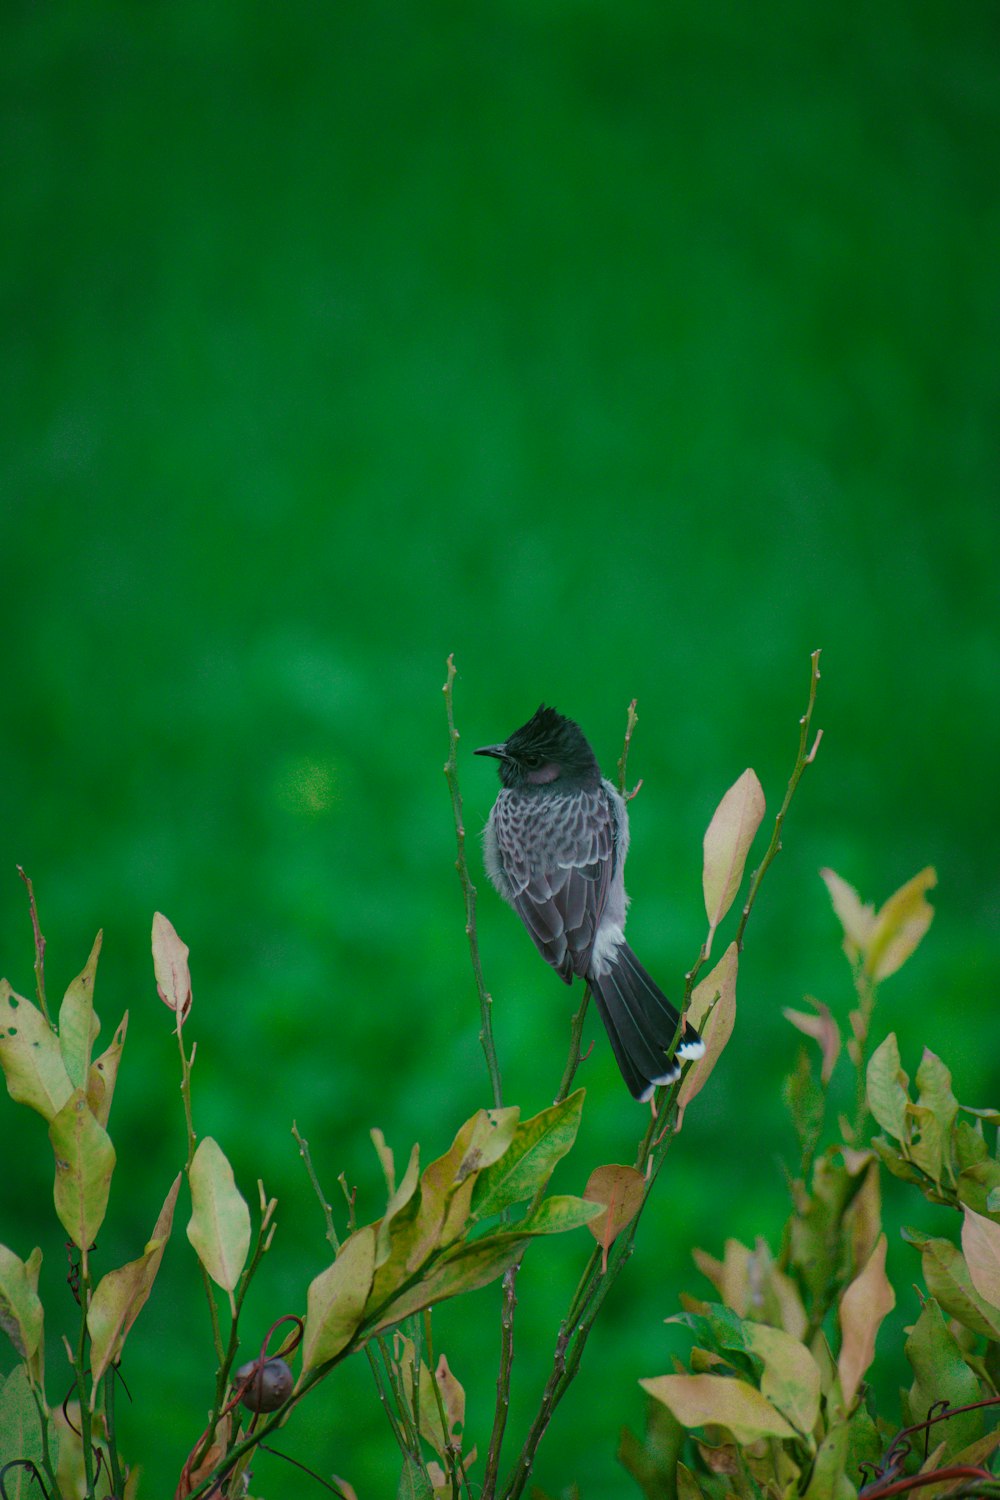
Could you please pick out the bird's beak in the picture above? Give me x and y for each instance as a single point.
(499, 752)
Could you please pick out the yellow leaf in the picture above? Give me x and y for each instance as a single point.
(899, 926)
(716, 1399)
(336, 1300)
(791, 1379)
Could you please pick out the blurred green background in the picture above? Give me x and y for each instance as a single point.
(625, 349)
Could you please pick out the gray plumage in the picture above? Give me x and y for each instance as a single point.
(555, 848)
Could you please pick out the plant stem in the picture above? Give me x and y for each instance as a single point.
(38, 1396)
(303, 1146)
(469, 893)
(504, 1375)
(82, 1365)
(39, 945)
(114, 1460)
(803, 758)
(573, 1059)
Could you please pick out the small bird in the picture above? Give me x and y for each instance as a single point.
(555, 848)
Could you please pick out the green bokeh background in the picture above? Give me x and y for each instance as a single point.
(625, 349)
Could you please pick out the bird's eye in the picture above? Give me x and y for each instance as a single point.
(533, 760)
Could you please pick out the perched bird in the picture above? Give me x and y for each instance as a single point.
(555, 848)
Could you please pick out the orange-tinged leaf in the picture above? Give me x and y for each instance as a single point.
(862, 1308)
(697, 1400)
(726, 846)
(823, 1029)
(716, 993)
(981, 1246)
(621, 1190)
(170, 966)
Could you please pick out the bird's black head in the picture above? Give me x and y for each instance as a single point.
(547, 749)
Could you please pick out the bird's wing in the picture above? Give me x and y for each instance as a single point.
(558, 856)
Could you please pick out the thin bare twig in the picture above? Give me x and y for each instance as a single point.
(804, 758)
(469, 892)
(39, 945)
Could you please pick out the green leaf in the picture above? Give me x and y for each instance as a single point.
(981, 1245)
(899, 926)
(976, 1185)
(933, 1116)
(78, 1025)
(621, 1191)
(21, 1315)
(925, 1144)
(557, 1214)
(791, 1379)
(85, 1160)
(414, 1482)
(30, 1057)
(464, 1268)
(401, 1196)
(865, 1443)
(894, 1163)
(934, 1082)
(121, 1295)
(806, 1103)
(828, 1480)
(723, 1333)
(863, 1306)
(726, 846)
(20, 1434)
(336, 1300)
(941, 1374)
(103, 1075)
(653, 1463)
(887, 1088)
(969, 1145)
(526, 1166)
(950, 1284)
(697, 1400)
(219, 1227)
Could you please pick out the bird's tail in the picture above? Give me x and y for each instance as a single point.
(641, 1023)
